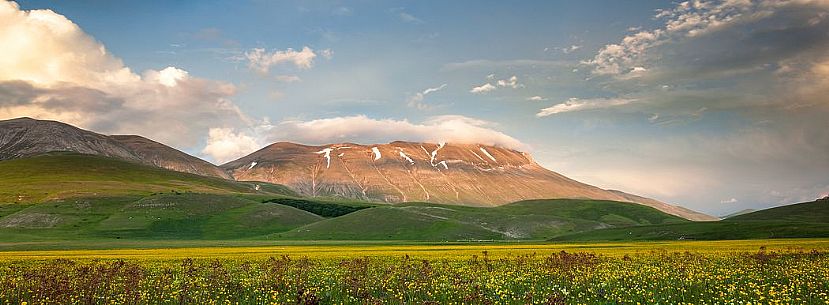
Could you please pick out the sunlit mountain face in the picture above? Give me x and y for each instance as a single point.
(718, 106)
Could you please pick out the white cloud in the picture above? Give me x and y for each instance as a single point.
(261, 60)
(416, 101)
(45, 48)
(483, 88)
(169, 76)
(727, 201)
(576, 104)
(451, 128)
(223, 145)
(51, 69)
(536, 98)
(511, 82)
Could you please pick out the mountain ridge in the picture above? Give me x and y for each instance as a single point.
(26, 137)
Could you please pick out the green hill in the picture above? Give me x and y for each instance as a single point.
(57, 176)
(802, 220)
(815, 212)
(162, 216)
(535, 219)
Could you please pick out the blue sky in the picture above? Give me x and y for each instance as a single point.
(717, 106)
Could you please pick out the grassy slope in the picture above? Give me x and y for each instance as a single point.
(162, 216)
(803, 220)
(815, 212)
(66, 175)
(535, 219)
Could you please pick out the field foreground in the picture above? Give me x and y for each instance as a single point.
(722, 272)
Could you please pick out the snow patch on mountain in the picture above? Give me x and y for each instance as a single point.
(402, 154)
(487, 154)
(376, 152)
(327, 154)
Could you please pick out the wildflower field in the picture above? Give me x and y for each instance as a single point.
(722, 272)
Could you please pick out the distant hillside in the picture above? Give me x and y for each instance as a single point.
(802, 220)
(170, 216)
(535, 219)
(194, 216)
(667, 208)
(738, 213)
(63, 175)
(25, 137)
(815, 212)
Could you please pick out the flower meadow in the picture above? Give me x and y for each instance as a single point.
(462, 276)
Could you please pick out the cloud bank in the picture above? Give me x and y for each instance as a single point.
(449, 128)
(51, 69)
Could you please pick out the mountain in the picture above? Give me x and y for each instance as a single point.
(460, 174)
(25, 137)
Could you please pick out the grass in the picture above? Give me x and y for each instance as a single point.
(57, 176)
(535, 219)
(195, 216)
(161, 216)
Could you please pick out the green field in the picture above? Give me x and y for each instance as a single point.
(738, 272)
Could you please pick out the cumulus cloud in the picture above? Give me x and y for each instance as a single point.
(450, 128)
(51, 69)
(511, 82)
(416, 101)
(224, 144)
(483, 88)
(576, 104)
(537, 98)
(260, 60)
